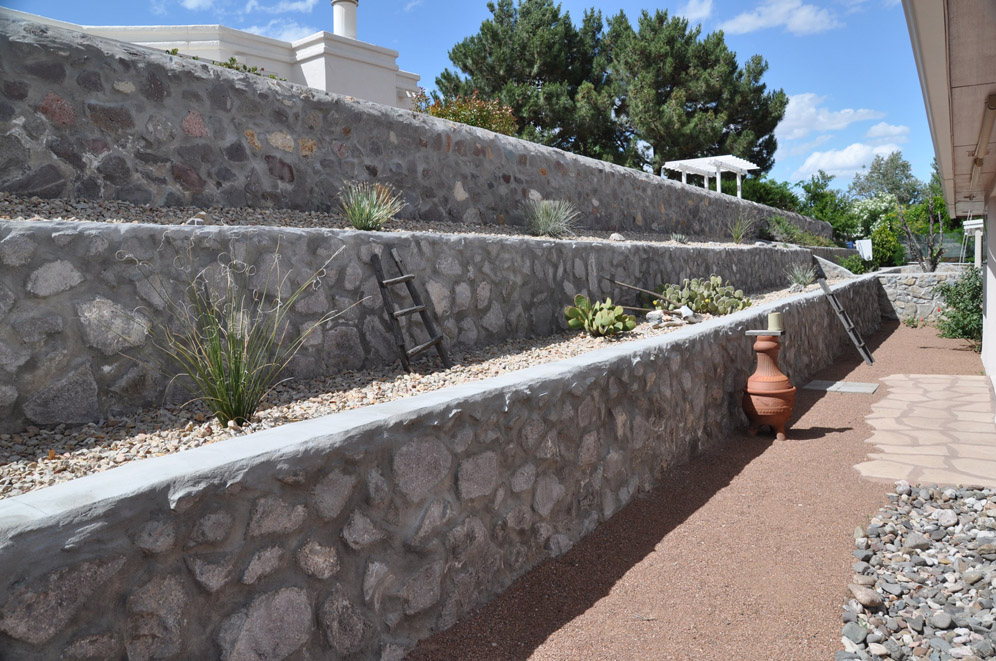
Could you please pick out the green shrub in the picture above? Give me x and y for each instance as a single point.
(227, 341)
(855, 264)
(962, 318)
(598, 319)
(490, 115)
(703, 296)
(780, 229)
(886, 249)
(554, 218)
(741, 228)
(368, 206)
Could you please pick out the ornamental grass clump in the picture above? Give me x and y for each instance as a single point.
(554, 218)
(368, 206)
(741, 228)
(802, 275)
(224, 340)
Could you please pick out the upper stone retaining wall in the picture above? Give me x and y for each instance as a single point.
(359, 533)
(87, 117)
(68, 302)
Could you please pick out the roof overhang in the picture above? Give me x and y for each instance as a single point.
(955, 52)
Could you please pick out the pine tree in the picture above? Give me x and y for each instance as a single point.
(613, 93)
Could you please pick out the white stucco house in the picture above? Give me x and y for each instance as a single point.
(335, 62)
(954, 44)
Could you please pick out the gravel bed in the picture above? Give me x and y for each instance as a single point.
(925, 573)
(14, 207)
(39, 458)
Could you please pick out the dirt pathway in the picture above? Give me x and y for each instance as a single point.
(743, 554)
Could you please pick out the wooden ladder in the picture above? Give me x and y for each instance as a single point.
(394, 314)
(852, 331)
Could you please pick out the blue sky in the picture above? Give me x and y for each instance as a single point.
(847, 65)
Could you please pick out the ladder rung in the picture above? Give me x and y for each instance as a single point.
(412, 310)
(422, 347)
(399, 280)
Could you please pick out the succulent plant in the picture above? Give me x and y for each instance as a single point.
(598, 319)
(710, 296)
(679, 238)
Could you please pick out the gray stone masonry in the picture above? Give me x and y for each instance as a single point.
(362, 532)
(85, 117)
(72, 309)
(911, 294)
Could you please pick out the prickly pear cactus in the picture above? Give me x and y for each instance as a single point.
(598, 319)
(710, 296)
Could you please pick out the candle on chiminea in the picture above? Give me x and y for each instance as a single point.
(775, 321)
(769, 396)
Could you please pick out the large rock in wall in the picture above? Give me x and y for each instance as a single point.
(361, 532)
(74, 305)
(87, 117)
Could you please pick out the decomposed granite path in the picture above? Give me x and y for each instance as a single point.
(745, 553)
(934, 428)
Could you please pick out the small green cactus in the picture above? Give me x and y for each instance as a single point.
(710, 296)
(598, 319)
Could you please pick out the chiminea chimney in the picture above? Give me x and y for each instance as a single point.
(344, 18)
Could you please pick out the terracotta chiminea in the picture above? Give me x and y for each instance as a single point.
(769, 395)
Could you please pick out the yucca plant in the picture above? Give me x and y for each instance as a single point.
(224, 340)
(368, 206)
(677, 237)
(554, 218)
(741, 228)
(801, 275)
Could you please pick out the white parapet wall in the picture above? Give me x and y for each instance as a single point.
(322, 60)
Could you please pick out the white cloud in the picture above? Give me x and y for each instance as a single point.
(794, 15)
(805, 114)
(413, 4)
(695, 10)
(883, 132)
(158, 7)
(283, 29)
(282, 7)
(806, 147)
(843, 163)
(196, 5)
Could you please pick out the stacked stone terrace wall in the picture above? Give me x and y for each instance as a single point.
(359, 533)
(91, 118)
(910, 294)
(72, 311)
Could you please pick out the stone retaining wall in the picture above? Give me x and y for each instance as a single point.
(87, 117)
(361, 532)
(70, 307)
(907, 294)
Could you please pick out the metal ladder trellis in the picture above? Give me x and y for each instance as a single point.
(394, 314)
(845, 320)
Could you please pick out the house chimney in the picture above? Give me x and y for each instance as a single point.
(344, 18)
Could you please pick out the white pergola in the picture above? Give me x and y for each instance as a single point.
(712, 166)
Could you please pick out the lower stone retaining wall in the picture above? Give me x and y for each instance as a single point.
(907, 294)
(69, 305)
(359, 533)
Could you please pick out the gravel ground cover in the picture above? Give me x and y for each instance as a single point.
(39, 458)
(924, 577)
(14, 207)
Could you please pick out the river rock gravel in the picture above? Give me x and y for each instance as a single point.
(924, 577)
